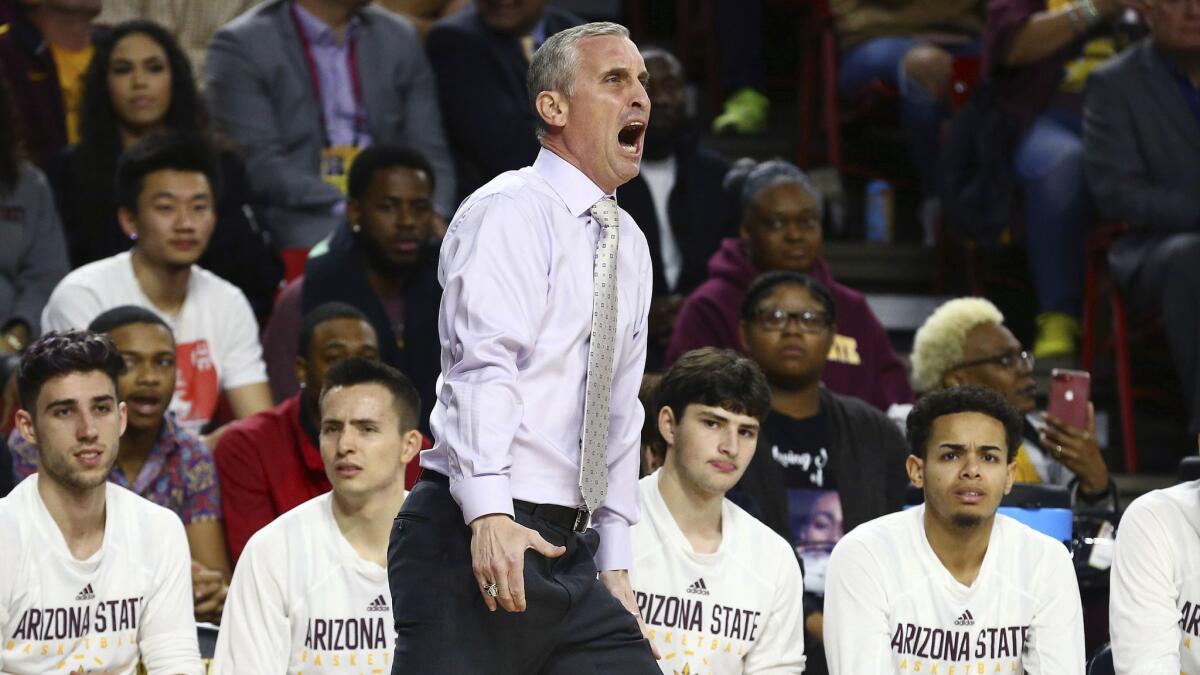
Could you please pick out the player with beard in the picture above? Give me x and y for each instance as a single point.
(157, 459)
(382, 260)
(678, 198)
(93, 575)
(950, 585)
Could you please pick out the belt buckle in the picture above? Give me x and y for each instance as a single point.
(583, 518)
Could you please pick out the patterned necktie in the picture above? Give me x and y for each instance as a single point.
(593, 459)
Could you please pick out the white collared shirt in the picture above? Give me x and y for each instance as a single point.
(514, 324)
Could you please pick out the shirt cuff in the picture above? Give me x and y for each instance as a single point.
(482, 496)
(616, 550)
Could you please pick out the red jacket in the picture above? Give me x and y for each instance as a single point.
(862, 363)
(267, 465)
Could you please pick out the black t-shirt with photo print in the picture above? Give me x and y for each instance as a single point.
(801, 448)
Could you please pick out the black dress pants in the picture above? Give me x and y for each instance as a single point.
(572, 624)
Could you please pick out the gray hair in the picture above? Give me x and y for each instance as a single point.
(555, 63)
(747, 179)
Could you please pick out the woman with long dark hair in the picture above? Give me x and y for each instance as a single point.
(139, 83)
(33, 257)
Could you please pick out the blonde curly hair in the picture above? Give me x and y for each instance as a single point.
(939, 342)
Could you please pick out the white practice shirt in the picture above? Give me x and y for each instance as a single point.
(303, 601)
(131, 601)
(892, 607)
(738, 610)
(1154, 606)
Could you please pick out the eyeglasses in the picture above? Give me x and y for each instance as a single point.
(808, 321)
(1014, 360)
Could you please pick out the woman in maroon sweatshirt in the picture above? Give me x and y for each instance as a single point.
(781, 230)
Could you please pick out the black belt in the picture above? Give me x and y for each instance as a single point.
(576, 520)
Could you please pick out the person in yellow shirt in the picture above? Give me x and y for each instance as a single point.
(48, 42)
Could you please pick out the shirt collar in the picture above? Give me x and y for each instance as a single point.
(575, 189)
(317, 33)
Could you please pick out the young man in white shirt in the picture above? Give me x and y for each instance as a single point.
(949, 586)
(165, 186)
(93, 577)
(310, 592)
(1154, 606)
(719, 591)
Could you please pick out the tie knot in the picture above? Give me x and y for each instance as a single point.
(605, 211)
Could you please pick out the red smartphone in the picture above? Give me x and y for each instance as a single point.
(1070, 391)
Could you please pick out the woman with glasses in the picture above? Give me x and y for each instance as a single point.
(965, 342)
(825, 462)
(781, 230)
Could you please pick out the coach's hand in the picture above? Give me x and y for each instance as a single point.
(498, 545)
(617, 583)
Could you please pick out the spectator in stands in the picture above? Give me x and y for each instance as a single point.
(156, 458)
(165, 200)
(139, 83)
(33, 257)
(966, 342)
(43, 54)
(1141, 141)
(77, 544)
(481, 56)
(781, 230)
(382, 260)
(692, 540)
(910, 45)
(1154, 612)
(302, 86)
(677, 199)
(940, 568)
(270, 462)
(1040, 59)
(825, 463)
(654, 451)
(191, 24)
(327, 557)
(424, 13)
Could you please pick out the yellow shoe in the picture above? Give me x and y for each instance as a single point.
(1056, 335)
(745, 113)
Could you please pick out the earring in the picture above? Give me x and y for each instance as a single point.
(355, 228)
(133, 236)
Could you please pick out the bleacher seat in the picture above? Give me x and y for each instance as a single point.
(206, 633)
(1102, 662)
(1045, 508)
(1189, 469)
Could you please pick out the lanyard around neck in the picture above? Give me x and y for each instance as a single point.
(315, 78)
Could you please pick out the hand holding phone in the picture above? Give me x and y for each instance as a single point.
(1070, 391)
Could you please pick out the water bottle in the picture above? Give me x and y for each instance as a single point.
(880, 224)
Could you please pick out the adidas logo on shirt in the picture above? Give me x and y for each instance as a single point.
(86, 593)
(965, 620)
(379, 604)
(698, 587)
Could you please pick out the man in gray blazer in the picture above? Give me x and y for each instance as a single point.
(1142, 150)
(289, 77)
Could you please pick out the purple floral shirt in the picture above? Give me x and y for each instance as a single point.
(179, 474)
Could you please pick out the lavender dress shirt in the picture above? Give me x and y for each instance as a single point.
(345, 120)
(515, 321)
